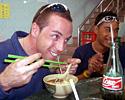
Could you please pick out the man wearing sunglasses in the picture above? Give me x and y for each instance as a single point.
(50, 31)
(94, 55)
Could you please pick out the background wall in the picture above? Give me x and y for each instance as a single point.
(21, 16)
(122, 28)
(22, 12)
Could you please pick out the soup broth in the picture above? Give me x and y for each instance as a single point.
(58, 81)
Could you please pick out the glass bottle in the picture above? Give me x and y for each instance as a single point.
(112, 83)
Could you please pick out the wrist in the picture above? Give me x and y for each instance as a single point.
(90, 68)
(86, 74)
(4, 84)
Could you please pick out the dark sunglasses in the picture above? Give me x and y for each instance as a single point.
(57, 7)
(108, 19)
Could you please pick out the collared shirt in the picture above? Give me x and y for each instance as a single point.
(12, 46)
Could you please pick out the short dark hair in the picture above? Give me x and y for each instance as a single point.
(43, 14)
(104, 14)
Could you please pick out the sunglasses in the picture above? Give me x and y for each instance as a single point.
(57, 7)
(108, 19)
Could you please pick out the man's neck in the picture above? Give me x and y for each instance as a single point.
(28, 45)
(98, 48)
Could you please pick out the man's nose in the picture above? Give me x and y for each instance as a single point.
(60, 46)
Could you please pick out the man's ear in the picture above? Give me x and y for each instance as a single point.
(35, 30)
(95, 29)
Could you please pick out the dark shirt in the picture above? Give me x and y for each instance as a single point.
(86, 51)
(12, 46)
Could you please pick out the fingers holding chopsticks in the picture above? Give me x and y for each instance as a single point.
(30, 59)
(32, 62)
(20, 72)
(74, 62)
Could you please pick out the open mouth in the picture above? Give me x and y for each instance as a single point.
(54, 54)
(109, 41)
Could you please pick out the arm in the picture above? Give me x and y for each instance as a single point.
(3, 94)
(84, 75)
(95, 64)
(80, 53)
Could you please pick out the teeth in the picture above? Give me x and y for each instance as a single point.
(54, 54)
(108, 41)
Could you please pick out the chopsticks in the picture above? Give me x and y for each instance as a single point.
(12, 57)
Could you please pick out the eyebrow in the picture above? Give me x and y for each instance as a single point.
(109, 27)
(58, 32)
(61, 34)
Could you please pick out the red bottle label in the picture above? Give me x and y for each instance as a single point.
(112, 83)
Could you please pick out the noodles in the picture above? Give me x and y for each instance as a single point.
(57, 81)
(58, 59)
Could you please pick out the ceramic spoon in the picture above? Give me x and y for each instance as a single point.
(74, 89)
(62, 76)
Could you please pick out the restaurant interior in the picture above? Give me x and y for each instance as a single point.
(17, 15)
(13, 18)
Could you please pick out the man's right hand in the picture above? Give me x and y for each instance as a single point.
(20, 73)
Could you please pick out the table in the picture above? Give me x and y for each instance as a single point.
(85, 88)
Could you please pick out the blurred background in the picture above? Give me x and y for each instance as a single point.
(17, 15)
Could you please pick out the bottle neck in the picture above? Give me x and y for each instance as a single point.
(114, 61)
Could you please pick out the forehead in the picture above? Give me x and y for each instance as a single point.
(57, 16)
(59, 23)
(107, 24)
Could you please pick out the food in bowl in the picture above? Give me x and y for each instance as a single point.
(60, 88)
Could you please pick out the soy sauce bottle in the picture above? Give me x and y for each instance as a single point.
(112, 83)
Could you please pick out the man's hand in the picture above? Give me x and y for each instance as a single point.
(20, 73)
(74, 62)
(95, 63)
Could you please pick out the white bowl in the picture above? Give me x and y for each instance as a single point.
(58, 89)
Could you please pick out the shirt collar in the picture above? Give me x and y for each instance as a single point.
(16, 44)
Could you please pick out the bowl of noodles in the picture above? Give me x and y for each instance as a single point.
(59, 88)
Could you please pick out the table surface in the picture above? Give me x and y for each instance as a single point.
(85, 88)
